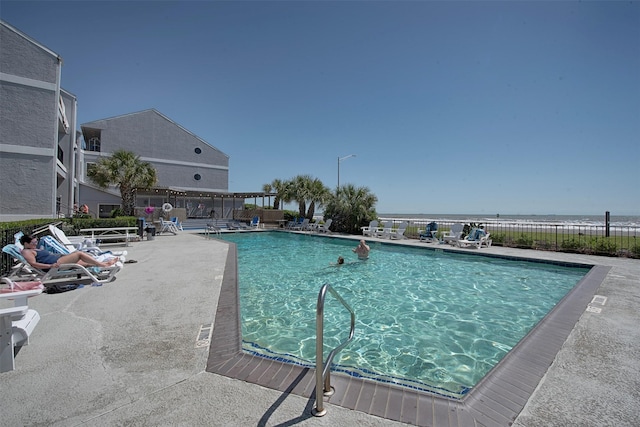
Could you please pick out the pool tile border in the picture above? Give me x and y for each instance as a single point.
(495, 401)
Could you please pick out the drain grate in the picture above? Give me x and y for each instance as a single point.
(599, 299)
(204, 336)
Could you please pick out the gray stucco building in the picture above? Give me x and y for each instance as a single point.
(185, 163)
(44, 160)
(37, 137)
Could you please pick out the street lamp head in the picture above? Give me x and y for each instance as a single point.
(346, 157)
(339, 160)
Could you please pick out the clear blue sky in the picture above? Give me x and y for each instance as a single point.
(450, 107)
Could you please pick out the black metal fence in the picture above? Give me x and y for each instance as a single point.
(608, 240)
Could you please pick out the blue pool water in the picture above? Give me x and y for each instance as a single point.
(425, 319)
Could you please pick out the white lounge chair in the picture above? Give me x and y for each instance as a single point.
(65, 273)
(454, 234)
(476, 238)
(371, 229)
(301, 226)
(399, 232)
(324, 228)
(167, 227)
(86, 245)
(16, 325)
(385, 230)
(174, 219)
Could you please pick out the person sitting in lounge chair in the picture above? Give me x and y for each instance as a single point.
(45, 260)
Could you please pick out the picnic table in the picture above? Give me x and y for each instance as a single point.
(110, 233)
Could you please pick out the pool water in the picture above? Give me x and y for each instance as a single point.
(425, 319)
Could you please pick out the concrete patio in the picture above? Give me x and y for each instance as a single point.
(127, 353)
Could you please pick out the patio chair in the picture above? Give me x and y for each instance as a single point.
(371, 229)
(168, 227)
(16, 325)
(174, 219)
(324, 228)
(454, 234)
(385, 230)
(399, 232)
(476, 238)
(64, 274)
(429, 234)
(302, 226)
(255, 222)
(86, 245)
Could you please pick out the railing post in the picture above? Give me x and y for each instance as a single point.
(323, 369)
(319, 410)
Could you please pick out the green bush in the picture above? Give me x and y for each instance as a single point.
(604, 246)
(570, 245)
(499, 238)
(635, 250)
(524, 241)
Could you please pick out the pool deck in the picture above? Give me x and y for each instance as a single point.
(133, 352)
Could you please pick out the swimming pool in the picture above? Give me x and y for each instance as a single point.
(429, 320)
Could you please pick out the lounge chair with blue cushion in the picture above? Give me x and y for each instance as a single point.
(476, 238)
(255, 222)
(174, 219)
(59, 243)
(429, 234)
(64, 274)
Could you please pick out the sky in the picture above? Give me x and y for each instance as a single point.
(484, 107)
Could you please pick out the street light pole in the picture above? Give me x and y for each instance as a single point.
(339, 160)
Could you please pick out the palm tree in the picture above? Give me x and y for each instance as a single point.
(319, 194)
(125, 170)
(351, 208)
(280, 188)
(300, 191)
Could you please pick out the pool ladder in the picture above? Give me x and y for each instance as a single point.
(323, 372)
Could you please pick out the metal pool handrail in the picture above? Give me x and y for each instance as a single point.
(323, 372)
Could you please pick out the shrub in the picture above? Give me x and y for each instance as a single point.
(499, 239)
(524, 241)
(604, 246)
(570, 245)
(635, 250)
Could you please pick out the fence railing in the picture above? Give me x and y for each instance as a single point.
(613, 240)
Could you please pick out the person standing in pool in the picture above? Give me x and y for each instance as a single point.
(362, 250)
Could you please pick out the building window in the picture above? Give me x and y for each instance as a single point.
(94, 144)
(197, 177)
(198, 150)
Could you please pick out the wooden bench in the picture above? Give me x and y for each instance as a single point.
(110, 233)
(16, 325)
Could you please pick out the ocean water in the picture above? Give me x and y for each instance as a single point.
(564, 220)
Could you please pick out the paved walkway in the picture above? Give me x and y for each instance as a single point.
(125, 354)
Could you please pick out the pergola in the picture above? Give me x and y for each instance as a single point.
(174, 195)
